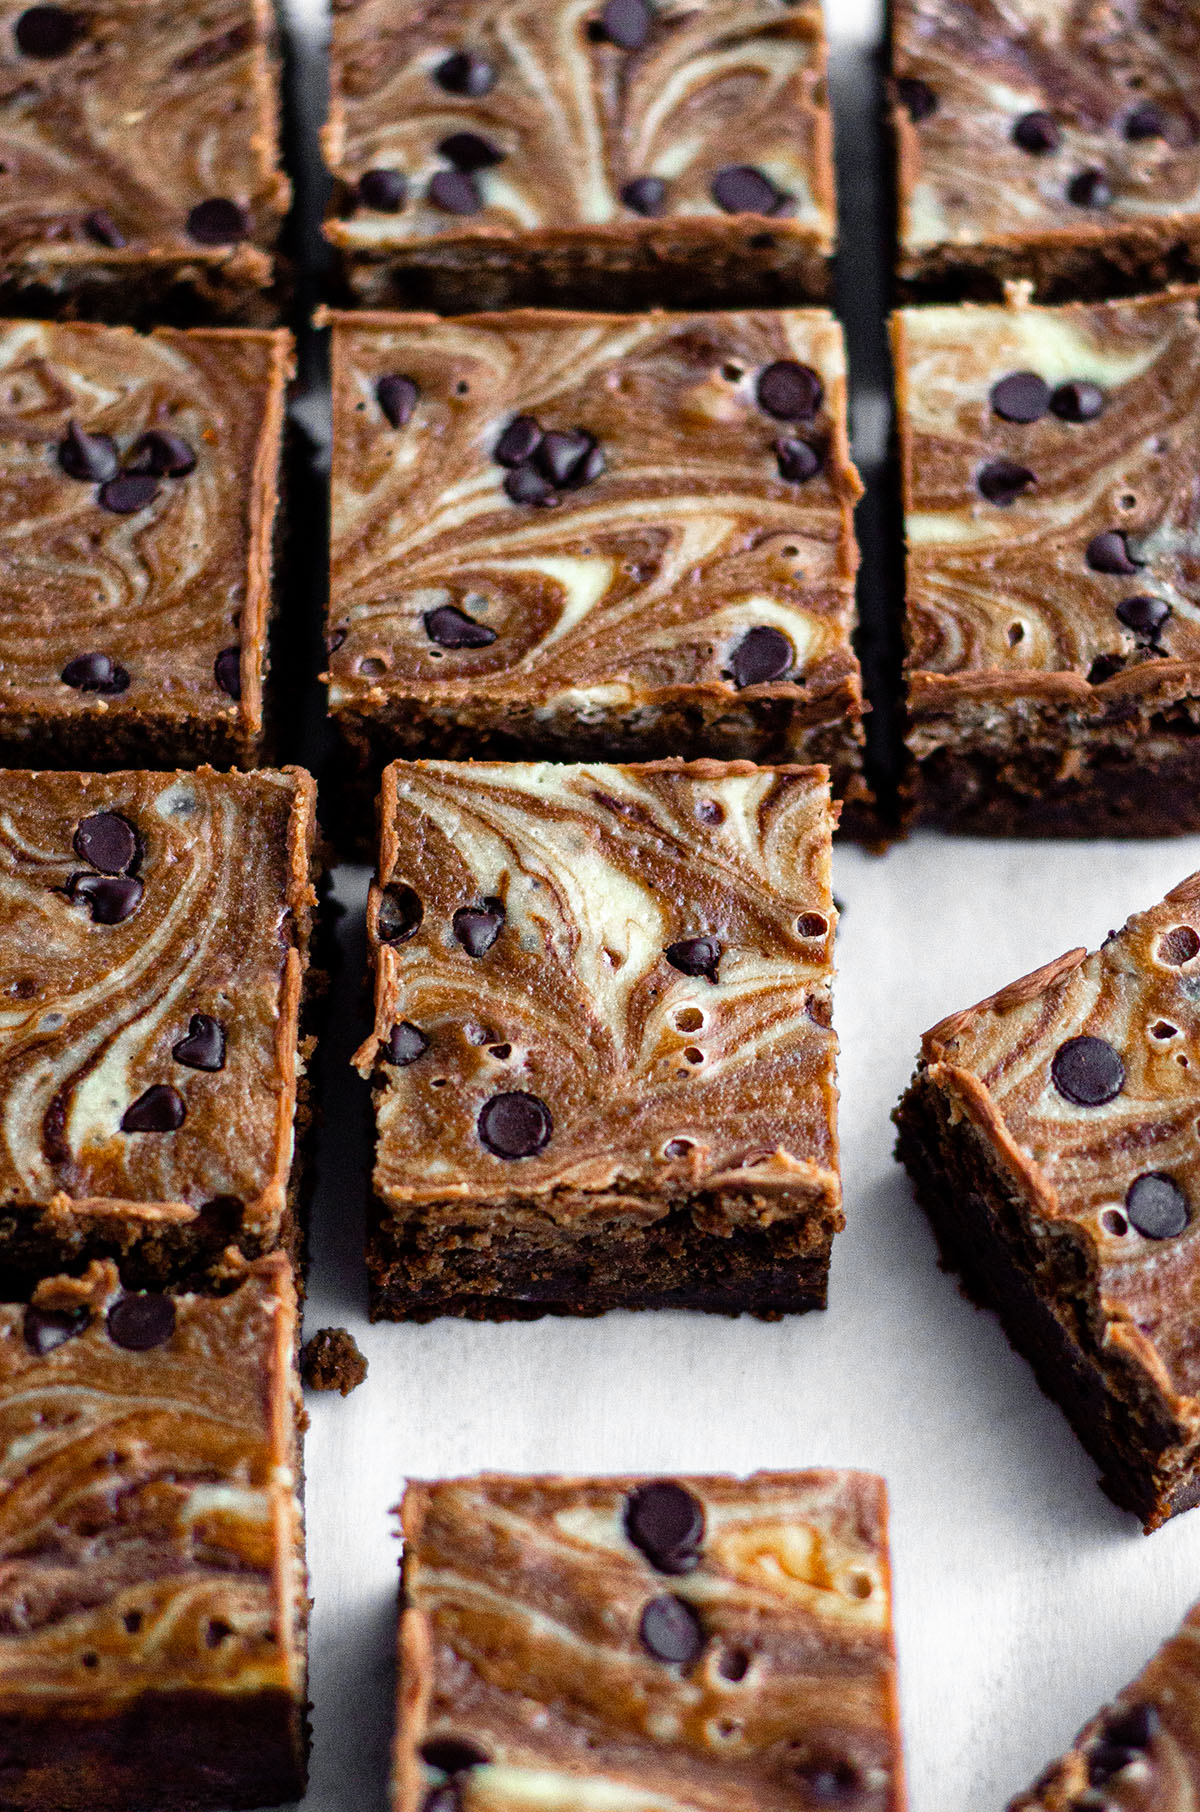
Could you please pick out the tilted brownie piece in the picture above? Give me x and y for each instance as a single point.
(154, 945)
(153, 1604)
(594, 537)
(599, 153)
(715, 1644)
(139, 145)
(1050, 1133)
(1052, 517)
(603, 1062)
(138, 504)
(1054, 140)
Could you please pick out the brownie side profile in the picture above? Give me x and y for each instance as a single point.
(717, 1643)
(1050, 1136)
(155, 935)
(153, 1635)
(1053, 650)
(603, 1062)
(584, 153)
(594, 538)
(1053, 141)
(140, 145)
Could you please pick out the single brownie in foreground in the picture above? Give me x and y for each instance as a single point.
(139, 152)
(719, 1644)
(603, 1061)
(1050, 1134)
(138, 504)
(154, 953)
(594, 537)
(598, 153)
(1052, 518)
(154, 1601)
(1054, 140)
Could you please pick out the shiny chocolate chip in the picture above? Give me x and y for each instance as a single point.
(671, 1631)
(1078, 401)
(1090, 189)
(140, 1322)
(1002, 481)
(568, 459)
(95, 673)
(1177, 947)
(162, 455)
(160, 1108)
(1146, 121)
(525, 484)
(453, 1755)
(1109, 553)
(812, 924)
(1022, 396)
(385, 191)
(476, 928)
(798, 461)
(514, 1125)
(627, 23)
(46, 32)
(1133, 1726)
(227, 671)
(399, 915)
(916, 97)
(666, 1522)
(645, 195)
(218, 221)
(44, 1329)
(404, 1044)
(203, 1046)
(108, 841)
(451, 627)
(91, 458)
(455, 192)
(1087, 1071)
(462, 72)
(110, 899)
(519, 441)
(397, 397)
(763, 656)
(1037, 133)
(1144, 615)
(102, 229)
(789, 391)
(695, 956)
(741, 189)
(469, 151)
(128, 493)
(1156, 1205)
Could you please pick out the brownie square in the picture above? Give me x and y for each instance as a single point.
(140, 146)
(610, 1642)
(1047, 140)
(1051, 511)
(152, 1642)
(603, 1061)
(594, 153)
(138, 509)
(1050, 1134)
(154, 950)
(594, 537)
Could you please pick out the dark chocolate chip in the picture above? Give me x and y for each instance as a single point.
(453, 1755)
(646, 195)
(789, 391)
(1178, 947)
(140, 1322)
(1037, 133)
(44, 1329)
(1022, 396)
(695, 956)
(1002, 481)
(812, 924)
(109, 898)
(1090, 189)
(46, 32)
(103, 229)
(561, 456)
(405, 1043)
(203, 1048)
(468, 151)
(218, 221)
(1103, 668)
(1106, 1760)
(128, 493)
(525, 484)
(476, 928)
(916, 97)
(1156, 1206)
(671, 1631)
(385, 191)
(1078, 401)
(666, 1522)
(455, 192)
(798, 461)
(95, 673)
(1144, 615)
(462, 72)
(763, 656)
(1109, 553)
(1088, 1071)
(741, 189)
(400, 914)
(91, 458)
(514, 1125)
(1146, 121)
(227, 671)
(161, 454)
(397, 397)
(108, 841)
(627, 23)
(451, 627)
(160, 1108)
(519, 441)
(1133, 1726)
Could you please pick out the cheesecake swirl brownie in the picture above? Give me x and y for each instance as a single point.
(1056, 140)
(1050, 1133)
(602, 153)
(714, 1644)
(153, 1598)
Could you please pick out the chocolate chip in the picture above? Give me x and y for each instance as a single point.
(44, 1329)
(812, 924)
(103, 229)
(627, 23)
(1133, 1726)
(561, 457)
(1156, 1205)
(666, 1522)
(1178, 947)
(462, 72)
(1109, 553)
(161, 454)
(108, 841)
(1144, 615)
(1146, 121)
(140, 1322)
(91, 458)
(455, 192)
(671, 1631)
(46, 32)
(453, 1755)
(1103, 668)
(468, 151)
(1106, 1760)
(109, 898)
(1087, 1071)
(204, 1046)
(400, 914)
(95, 673)
(128, 493)
(916, 97)
(741, 189)
(1078, 401)
(1022, 396)
(159, 1108)
(218, 221)
(476, 928)
(525, 484)
(646, 195)
(798, 461)
(519, 441)
(227, 671)
(830, 1782)
(514, 1125)
(386, 191)
(1090, 189)
(397, 397)
(789, 391)
(763, 656)
(1037, 133)
(451, 627)
(1002, 481)
(405, 1043)
(695, 956)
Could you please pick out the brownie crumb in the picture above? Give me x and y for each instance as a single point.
(331, 1361)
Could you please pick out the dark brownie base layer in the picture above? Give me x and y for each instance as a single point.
(1119, 262)
(238, 292)
(1039, 1294)
(1118, 793)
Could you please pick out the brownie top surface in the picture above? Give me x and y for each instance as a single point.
(600, 977)
(601, 510)
(713, 1643)
(132, 129)
(147, 1513)
(1028, 118)
(1084, 1074)
(148, 930)
(1051, 508)
(513, 117)
(137, 495)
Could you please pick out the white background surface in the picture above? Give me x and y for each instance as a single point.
(1023, 1597)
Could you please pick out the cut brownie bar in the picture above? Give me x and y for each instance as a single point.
(138, 505)
(140, 148)
(154, 948)
(1050, 1133)
(594, 537)
(601, 153)
(154, 1599)
(1052, 517)
(1054, 140)
(603, 1061)
(715, 1643)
